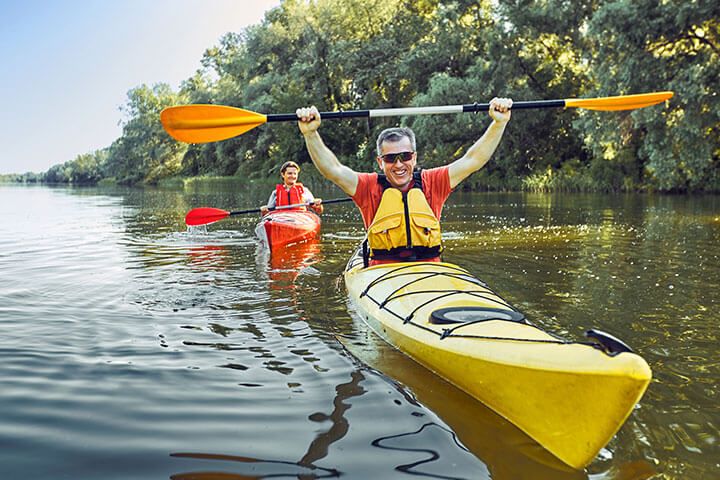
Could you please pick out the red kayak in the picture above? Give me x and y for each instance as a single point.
(282, 228)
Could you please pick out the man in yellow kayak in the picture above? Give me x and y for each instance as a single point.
(291, 192)
(401, 206)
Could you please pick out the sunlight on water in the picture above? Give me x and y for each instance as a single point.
(648, 273)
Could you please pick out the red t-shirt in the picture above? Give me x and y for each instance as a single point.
(435, 183)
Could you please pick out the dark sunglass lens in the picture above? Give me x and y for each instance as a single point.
(394, 157)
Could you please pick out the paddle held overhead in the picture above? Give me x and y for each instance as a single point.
(212, 123)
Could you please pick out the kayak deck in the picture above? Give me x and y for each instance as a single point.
(571, 397)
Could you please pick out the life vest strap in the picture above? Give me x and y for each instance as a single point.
(365, 253)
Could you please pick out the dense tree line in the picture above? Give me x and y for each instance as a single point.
(356, 54)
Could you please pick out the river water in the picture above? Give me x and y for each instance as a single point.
(132, 348)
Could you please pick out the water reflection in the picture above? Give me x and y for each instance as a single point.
(128, 338)
(319, 447)
(646, 268)
(211, 257)
(260, 468)
(506, 451)
(283, 266)
(306, 467)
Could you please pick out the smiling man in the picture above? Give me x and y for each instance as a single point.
(401, 206)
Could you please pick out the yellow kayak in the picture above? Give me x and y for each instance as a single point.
(571, 397)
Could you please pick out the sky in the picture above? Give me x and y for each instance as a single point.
(66, 66)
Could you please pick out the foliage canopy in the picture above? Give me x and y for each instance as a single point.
(356, 54)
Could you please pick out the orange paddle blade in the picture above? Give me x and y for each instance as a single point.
(622, 102)
(208, 123)
(204, 215)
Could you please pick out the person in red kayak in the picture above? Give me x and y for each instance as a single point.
(291, 192)
(401, 206)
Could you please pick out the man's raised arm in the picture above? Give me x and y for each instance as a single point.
(324, 159)
(479, 154)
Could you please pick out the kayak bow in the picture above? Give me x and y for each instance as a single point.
(284, 228)
(570, 397)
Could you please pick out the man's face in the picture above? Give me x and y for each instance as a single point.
(290, 176)
(399, 172)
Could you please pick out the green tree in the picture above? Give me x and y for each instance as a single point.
(86, 169)
(644, 45)
(145, 152)
(356, 54)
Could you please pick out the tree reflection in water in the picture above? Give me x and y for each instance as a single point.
(305, 468)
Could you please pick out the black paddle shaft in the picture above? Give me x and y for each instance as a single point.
(484, 107)
(290, 117)
(257, 210)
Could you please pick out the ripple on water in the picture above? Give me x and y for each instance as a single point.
(134, 349)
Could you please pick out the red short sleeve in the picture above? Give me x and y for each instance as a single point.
(436, 186)
(367, 196)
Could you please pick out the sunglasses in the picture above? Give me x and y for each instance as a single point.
(394, 157)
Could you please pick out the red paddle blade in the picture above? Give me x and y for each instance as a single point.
(204, 215)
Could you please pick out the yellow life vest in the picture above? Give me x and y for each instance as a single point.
(404, 227)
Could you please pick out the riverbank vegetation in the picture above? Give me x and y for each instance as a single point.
(364, 54)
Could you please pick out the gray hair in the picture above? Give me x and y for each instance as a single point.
(395, 134)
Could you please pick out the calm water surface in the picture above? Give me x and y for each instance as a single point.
(132, 348)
